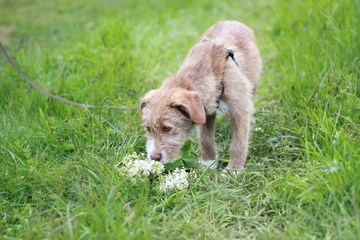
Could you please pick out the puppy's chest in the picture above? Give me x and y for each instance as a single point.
(217, 104)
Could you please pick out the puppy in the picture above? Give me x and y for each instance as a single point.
(220, 72)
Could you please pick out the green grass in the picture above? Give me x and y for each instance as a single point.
(57, 175)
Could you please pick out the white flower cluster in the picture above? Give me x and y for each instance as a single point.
(135, 167)
(177, 180)
(144, 168)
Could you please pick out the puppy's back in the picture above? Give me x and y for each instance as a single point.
(230, 32)
(241, 39)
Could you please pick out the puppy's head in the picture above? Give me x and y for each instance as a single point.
(168, 115)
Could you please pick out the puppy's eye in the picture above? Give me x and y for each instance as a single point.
(166, 129)
(147, 129)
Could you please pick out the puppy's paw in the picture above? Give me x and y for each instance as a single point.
(208, 164)
(231, 172)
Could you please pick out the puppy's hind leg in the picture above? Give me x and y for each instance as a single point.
(206, 134)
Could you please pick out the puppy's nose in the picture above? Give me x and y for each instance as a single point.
(155, 156)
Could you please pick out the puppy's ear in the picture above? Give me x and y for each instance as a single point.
(189, 104)
(147, 99)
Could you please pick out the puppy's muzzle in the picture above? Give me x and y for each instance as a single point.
(156, 156)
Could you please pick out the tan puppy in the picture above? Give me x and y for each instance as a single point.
(221, 72)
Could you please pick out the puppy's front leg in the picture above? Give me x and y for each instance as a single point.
(239, 143)
(206, 134)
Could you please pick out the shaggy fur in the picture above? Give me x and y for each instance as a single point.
(208, 80)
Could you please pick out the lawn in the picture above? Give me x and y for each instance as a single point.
(58, 178)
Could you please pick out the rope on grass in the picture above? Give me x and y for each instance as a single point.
(53, 95)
